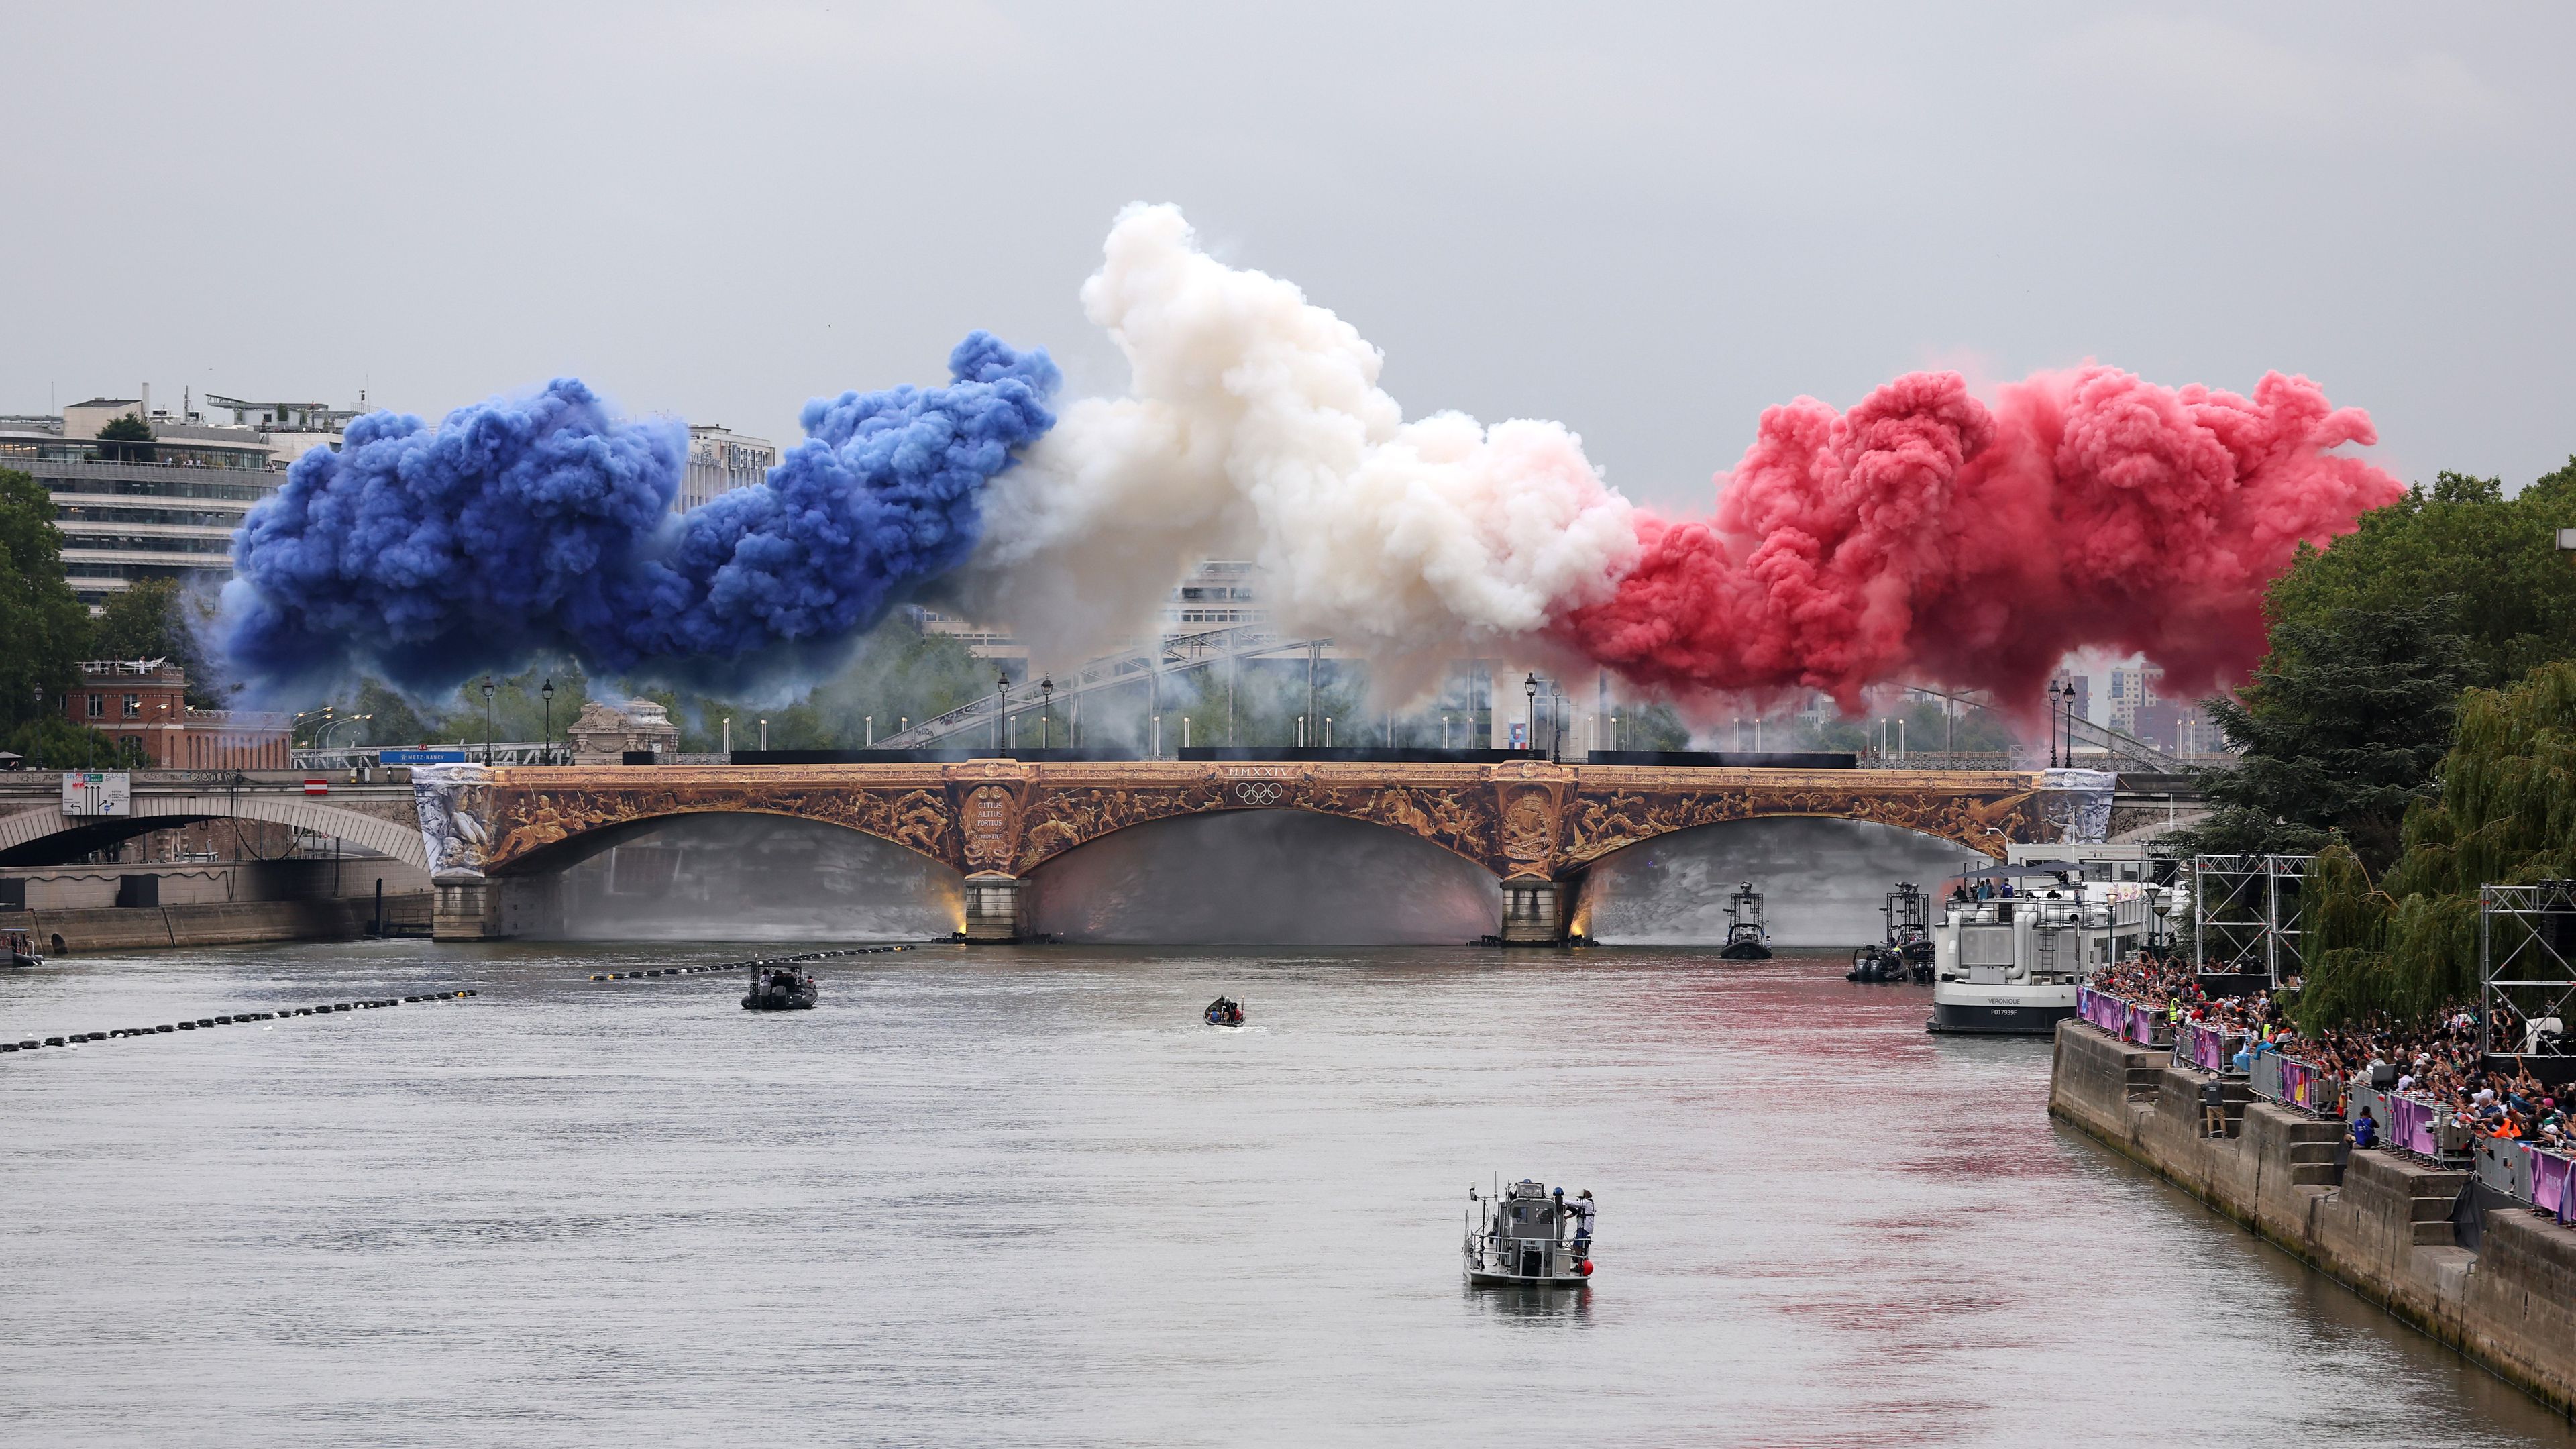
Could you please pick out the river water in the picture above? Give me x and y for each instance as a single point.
(1020, 1196)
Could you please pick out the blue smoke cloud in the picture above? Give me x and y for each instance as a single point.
(542, 524)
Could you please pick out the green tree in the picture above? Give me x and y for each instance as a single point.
(126, 439)
(2340, 730)
(2513, 595)
(43, 624)
(51, 742)
(2505, 814)
(155, 619)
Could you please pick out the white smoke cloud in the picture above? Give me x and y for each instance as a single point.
(1254, 428)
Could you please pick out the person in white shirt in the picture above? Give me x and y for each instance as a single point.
(1581, 1206)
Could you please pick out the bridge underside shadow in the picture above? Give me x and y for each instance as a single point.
(723, 877)
(1822, 880)
(1267, 878)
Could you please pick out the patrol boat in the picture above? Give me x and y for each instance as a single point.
(1907, 953)
(781, 986)
(1746, 937)
(1518, 1236)
(2010, 963)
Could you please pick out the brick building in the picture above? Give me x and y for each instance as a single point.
(144, 703)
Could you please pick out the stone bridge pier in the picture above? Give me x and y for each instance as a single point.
(497, 838)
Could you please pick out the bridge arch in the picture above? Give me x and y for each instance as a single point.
(543, 847)
(38, 837)
(1277, 875)
(1823, 877)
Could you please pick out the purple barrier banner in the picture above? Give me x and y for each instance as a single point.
(2305, 1084)
(2142, 1023)
(2410, 1125)
(2105, 1011)
(2549, 1181)
(2204, 1046)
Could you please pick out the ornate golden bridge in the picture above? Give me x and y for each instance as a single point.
(1535, 825)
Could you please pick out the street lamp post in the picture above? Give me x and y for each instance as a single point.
(1046, 707)
(728, 739)
(549, 693)
(870, 725)
(1002, 710)
(764, 737)
(1529, 687)
(487, 719)
(2052, 724)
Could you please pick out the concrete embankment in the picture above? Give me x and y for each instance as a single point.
(213, 923)
(2381, 1225)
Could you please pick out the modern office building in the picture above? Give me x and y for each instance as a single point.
(166, 508)
(2132, 689)
(720, 462)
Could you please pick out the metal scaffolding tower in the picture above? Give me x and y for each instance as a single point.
(2245, 913)
(2526, 965)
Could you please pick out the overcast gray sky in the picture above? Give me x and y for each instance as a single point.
(1647, 221)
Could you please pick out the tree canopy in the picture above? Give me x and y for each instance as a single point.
(45, 626)
(126, 439)
(2496, 558)
(2505, 814)
(2341, 729)
(149, 619)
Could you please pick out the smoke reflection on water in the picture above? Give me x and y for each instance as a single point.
(1266, 877)
(1822, 880)
(758, 877)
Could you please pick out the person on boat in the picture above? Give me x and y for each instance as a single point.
(1580, 1205)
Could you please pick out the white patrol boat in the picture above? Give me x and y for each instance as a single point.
(2012, 963)
(1518, 1236)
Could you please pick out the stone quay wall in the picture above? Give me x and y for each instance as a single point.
(214, 923)
(2380, 1224)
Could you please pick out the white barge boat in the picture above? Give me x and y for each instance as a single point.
(2011, 964)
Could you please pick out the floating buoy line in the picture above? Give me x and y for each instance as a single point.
(745, 965)
(239, 1018)
(244, 1018)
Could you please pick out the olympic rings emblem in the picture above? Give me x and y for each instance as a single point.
(1257, 792)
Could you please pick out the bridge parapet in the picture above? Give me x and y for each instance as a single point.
(996, 821)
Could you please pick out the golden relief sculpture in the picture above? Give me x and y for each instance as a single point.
(1522, 819)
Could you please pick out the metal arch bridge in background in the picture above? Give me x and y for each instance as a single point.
(1177, 654)
(2123, 749)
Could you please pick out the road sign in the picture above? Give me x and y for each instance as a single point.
(420, 757)
(317, 787)
(98, 792)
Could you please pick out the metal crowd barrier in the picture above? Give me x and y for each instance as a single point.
(2533, 1176)
(2121, 1017)
(2104, 1010)
(2209, 1048)
(2294, 1083)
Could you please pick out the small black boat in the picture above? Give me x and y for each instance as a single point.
(780, 988)
(1225, 1011)
(21, 949)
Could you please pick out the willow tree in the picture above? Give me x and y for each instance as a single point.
(2505, 815)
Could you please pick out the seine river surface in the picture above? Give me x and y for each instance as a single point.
(988, 1196)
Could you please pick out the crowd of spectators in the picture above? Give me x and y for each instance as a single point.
(2441, 1062)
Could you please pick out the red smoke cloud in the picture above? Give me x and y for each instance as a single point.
(1928, 537)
